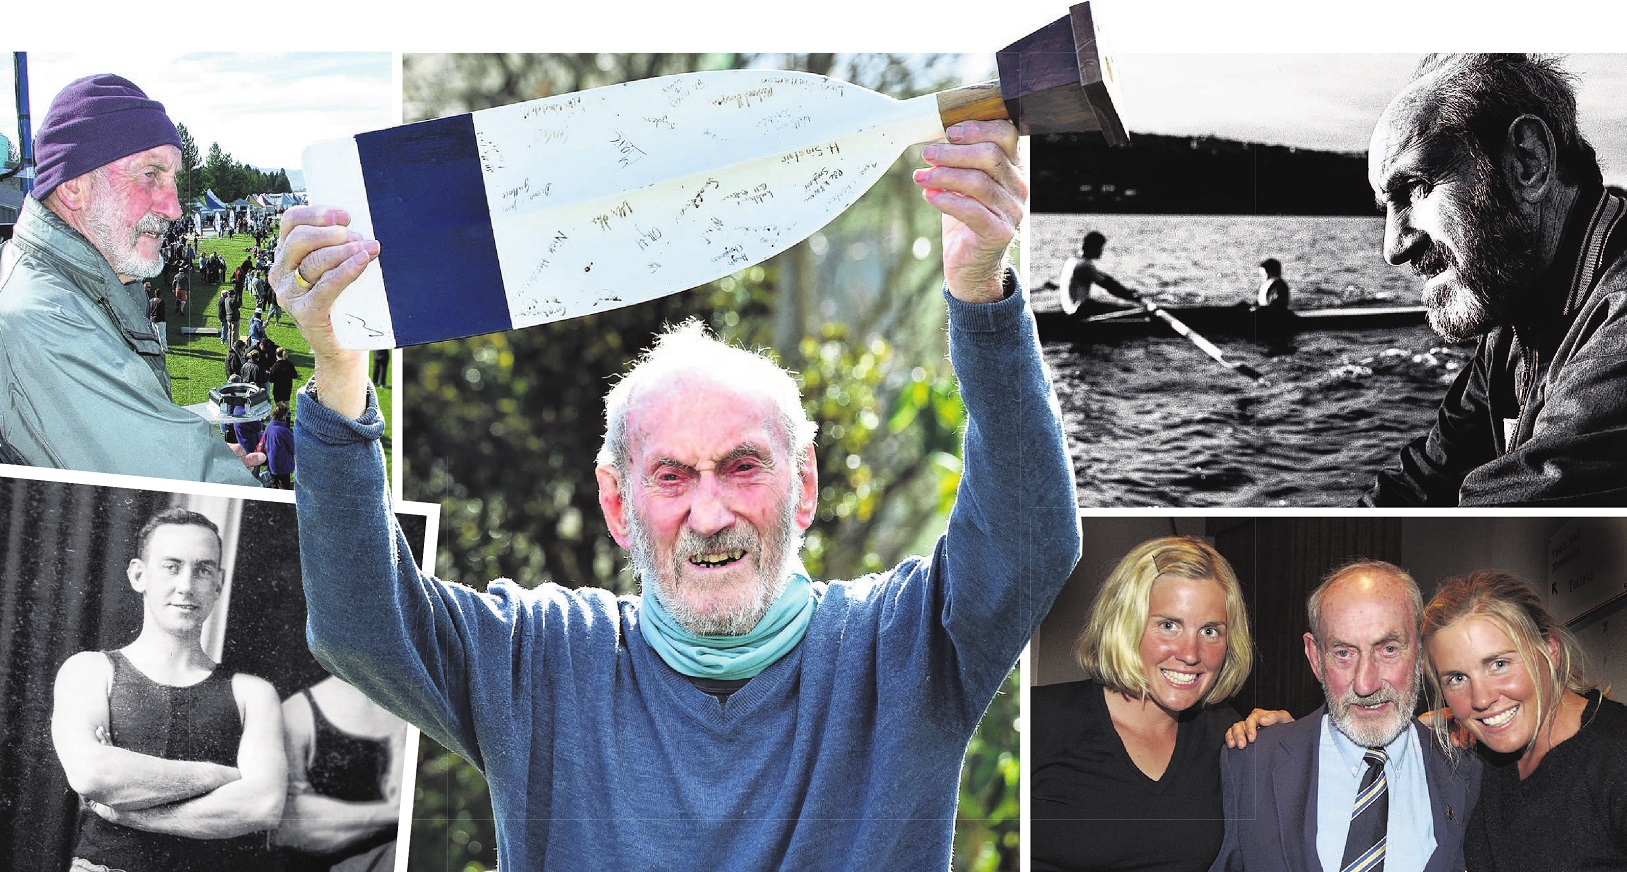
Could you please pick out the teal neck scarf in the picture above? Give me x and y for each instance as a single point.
(731, 657)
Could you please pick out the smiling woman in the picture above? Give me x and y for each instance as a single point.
(1138, 743)
(1556, 748)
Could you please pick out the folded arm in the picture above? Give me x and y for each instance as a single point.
(319, 824)
(116, 777)
(249, 804)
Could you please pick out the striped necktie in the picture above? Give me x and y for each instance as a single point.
(1364, 846)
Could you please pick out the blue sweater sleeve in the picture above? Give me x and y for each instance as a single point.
(374, 619)
(1013, 534)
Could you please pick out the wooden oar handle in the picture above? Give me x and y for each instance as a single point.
(979, 102)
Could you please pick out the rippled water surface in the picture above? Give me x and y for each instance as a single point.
(1153, 422)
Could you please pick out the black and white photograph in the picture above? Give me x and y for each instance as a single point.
(163, 711)
(1306, 269)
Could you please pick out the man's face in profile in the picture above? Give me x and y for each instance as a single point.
(1450, 214)
(132, 203)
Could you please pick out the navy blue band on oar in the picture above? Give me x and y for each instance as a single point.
(428, 201)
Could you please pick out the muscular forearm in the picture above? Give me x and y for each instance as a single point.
(315, 823)
(124, 779)
(236, 809)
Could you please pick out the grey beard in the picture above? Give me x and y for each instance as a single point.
(1374, 735)
(118, 245)
(773, 558)
(1497, 267)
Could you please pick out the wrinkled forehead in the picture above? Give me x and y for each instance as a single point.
(1403, 135)
(1369, 607)
(700, 410)
(164, 158)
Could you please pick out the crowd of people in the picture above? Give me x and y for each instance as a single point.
(254, 358)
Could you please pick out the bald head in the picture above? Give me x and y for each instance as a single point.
(1366, 580)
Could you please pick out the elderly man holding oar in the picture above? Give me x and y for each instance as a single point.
(736, 715)
(1494, 197)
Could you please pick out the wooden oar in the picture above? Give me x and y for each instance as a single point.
(1203, 344)
(550, 209)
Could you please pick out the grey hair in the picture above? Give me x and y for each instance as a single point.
(1313, 605)
(1477, 97)
(691, 347)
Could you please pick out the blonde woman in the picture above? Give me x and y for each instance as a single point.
(1126, 770)
(1554, 794)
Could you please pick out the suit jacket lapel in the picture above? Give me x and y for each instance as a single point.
(1293, 773)
(1449, 794)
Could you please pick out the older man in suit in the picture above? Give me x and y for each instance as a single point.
(1357, 786)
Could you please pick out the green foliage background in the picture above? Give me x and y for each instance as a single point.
(504, 428)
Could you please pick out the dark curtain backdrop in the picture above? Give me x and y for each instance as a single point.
(63, 553)
(265, 631)
(1279, 562)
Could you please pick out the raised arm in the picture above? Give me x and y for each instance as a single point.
(116, 777)
(1013, 534)
(318, 256)
(247, 805)
(374, 619)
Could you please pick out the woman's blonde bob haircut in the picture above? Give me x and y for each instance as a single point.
(1110, 647)
(1513, 607)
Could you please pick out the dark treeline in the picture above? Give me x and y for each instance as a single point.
(218, 172)
(1195, 175)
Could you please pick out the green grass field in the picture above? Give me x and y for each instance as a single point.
(197, 363)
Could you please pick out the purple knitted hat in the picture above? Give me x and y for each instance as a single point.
(93, 122)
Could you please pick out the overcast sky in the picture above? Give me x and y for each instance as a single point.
(1327, 101)
(263, 109)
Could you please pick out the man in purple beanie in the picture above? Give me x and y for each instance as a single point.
(83, 383)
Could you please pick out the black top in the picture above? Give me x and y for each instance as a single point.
(344, 767)
(197, 722)
(1570, 814)
(1082, 776)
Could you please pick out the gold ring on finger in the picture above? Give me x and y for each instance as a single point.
(300, 280)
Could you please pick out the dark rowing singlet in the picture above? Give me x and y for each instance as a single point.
(198, 722)
(344, 767)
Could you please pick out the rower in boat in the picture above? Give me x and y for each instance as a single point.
(1273, 290)
(1084, 289)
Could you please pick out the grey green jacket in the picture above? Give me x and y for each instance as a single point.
(82, 378)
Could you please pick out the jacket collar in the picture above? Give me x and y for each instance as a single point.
(1584, 251)
(43, 234)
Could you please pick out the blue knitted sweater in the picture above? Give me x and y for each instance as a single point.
(845, 754)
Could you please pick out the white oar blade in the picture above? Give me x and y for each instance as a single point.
(539, 211)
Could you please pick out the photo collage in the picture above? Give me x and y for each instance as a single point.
(1165, 456)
